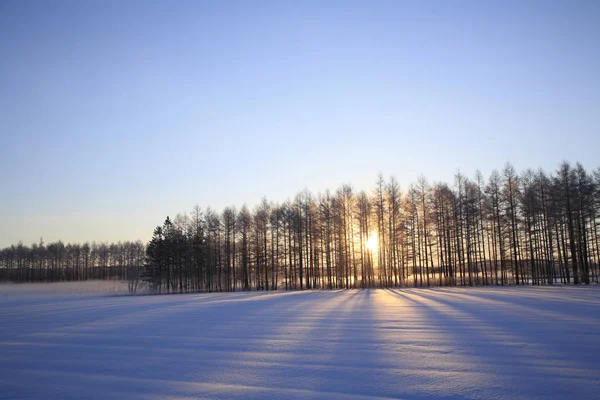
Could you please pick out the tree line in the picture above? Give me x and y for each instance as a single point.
(57, 262)
(515, 229)
(530, 228)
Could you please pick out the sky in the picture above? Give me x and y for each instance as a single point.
(115, 114)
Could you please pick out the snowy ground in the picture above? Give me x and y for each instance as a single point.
(500, 343)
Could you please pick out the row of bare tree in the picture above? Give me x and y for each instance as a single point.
(57, 262)
(533, 228)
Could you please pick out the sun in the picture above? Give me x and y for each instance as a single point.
(372, 242)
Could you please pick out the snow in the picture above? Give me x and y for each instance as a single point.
(479, 343)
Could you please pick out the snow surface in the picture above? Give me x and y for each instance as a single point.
(481, 343)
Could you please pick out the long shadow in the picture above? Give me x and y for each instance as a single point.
(548, 298)
(516, 303)
(303, 344)
(500, 346)
(409, 356)
(178, 342)
(355, 364)
(411, 343)
(85, 313)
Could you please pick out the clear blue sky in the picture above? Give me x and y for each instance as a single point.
(114, 114)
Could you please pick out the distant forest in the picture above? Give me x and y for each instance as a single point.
(531, 228)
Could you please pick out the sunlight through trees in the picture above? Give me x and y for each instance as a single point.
(533, 228)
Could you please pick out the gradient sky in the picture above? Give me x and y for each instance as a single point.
(115, 114)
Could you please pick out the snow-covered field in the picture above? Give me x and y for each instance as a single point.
(498, 343)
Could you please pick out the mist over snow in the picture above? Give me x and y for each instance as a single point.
(63, 289)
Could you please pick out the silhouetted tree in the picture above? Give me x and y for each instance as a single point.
(529, 228)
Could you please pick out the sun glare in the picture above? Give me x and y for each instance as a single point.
(372, 242)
